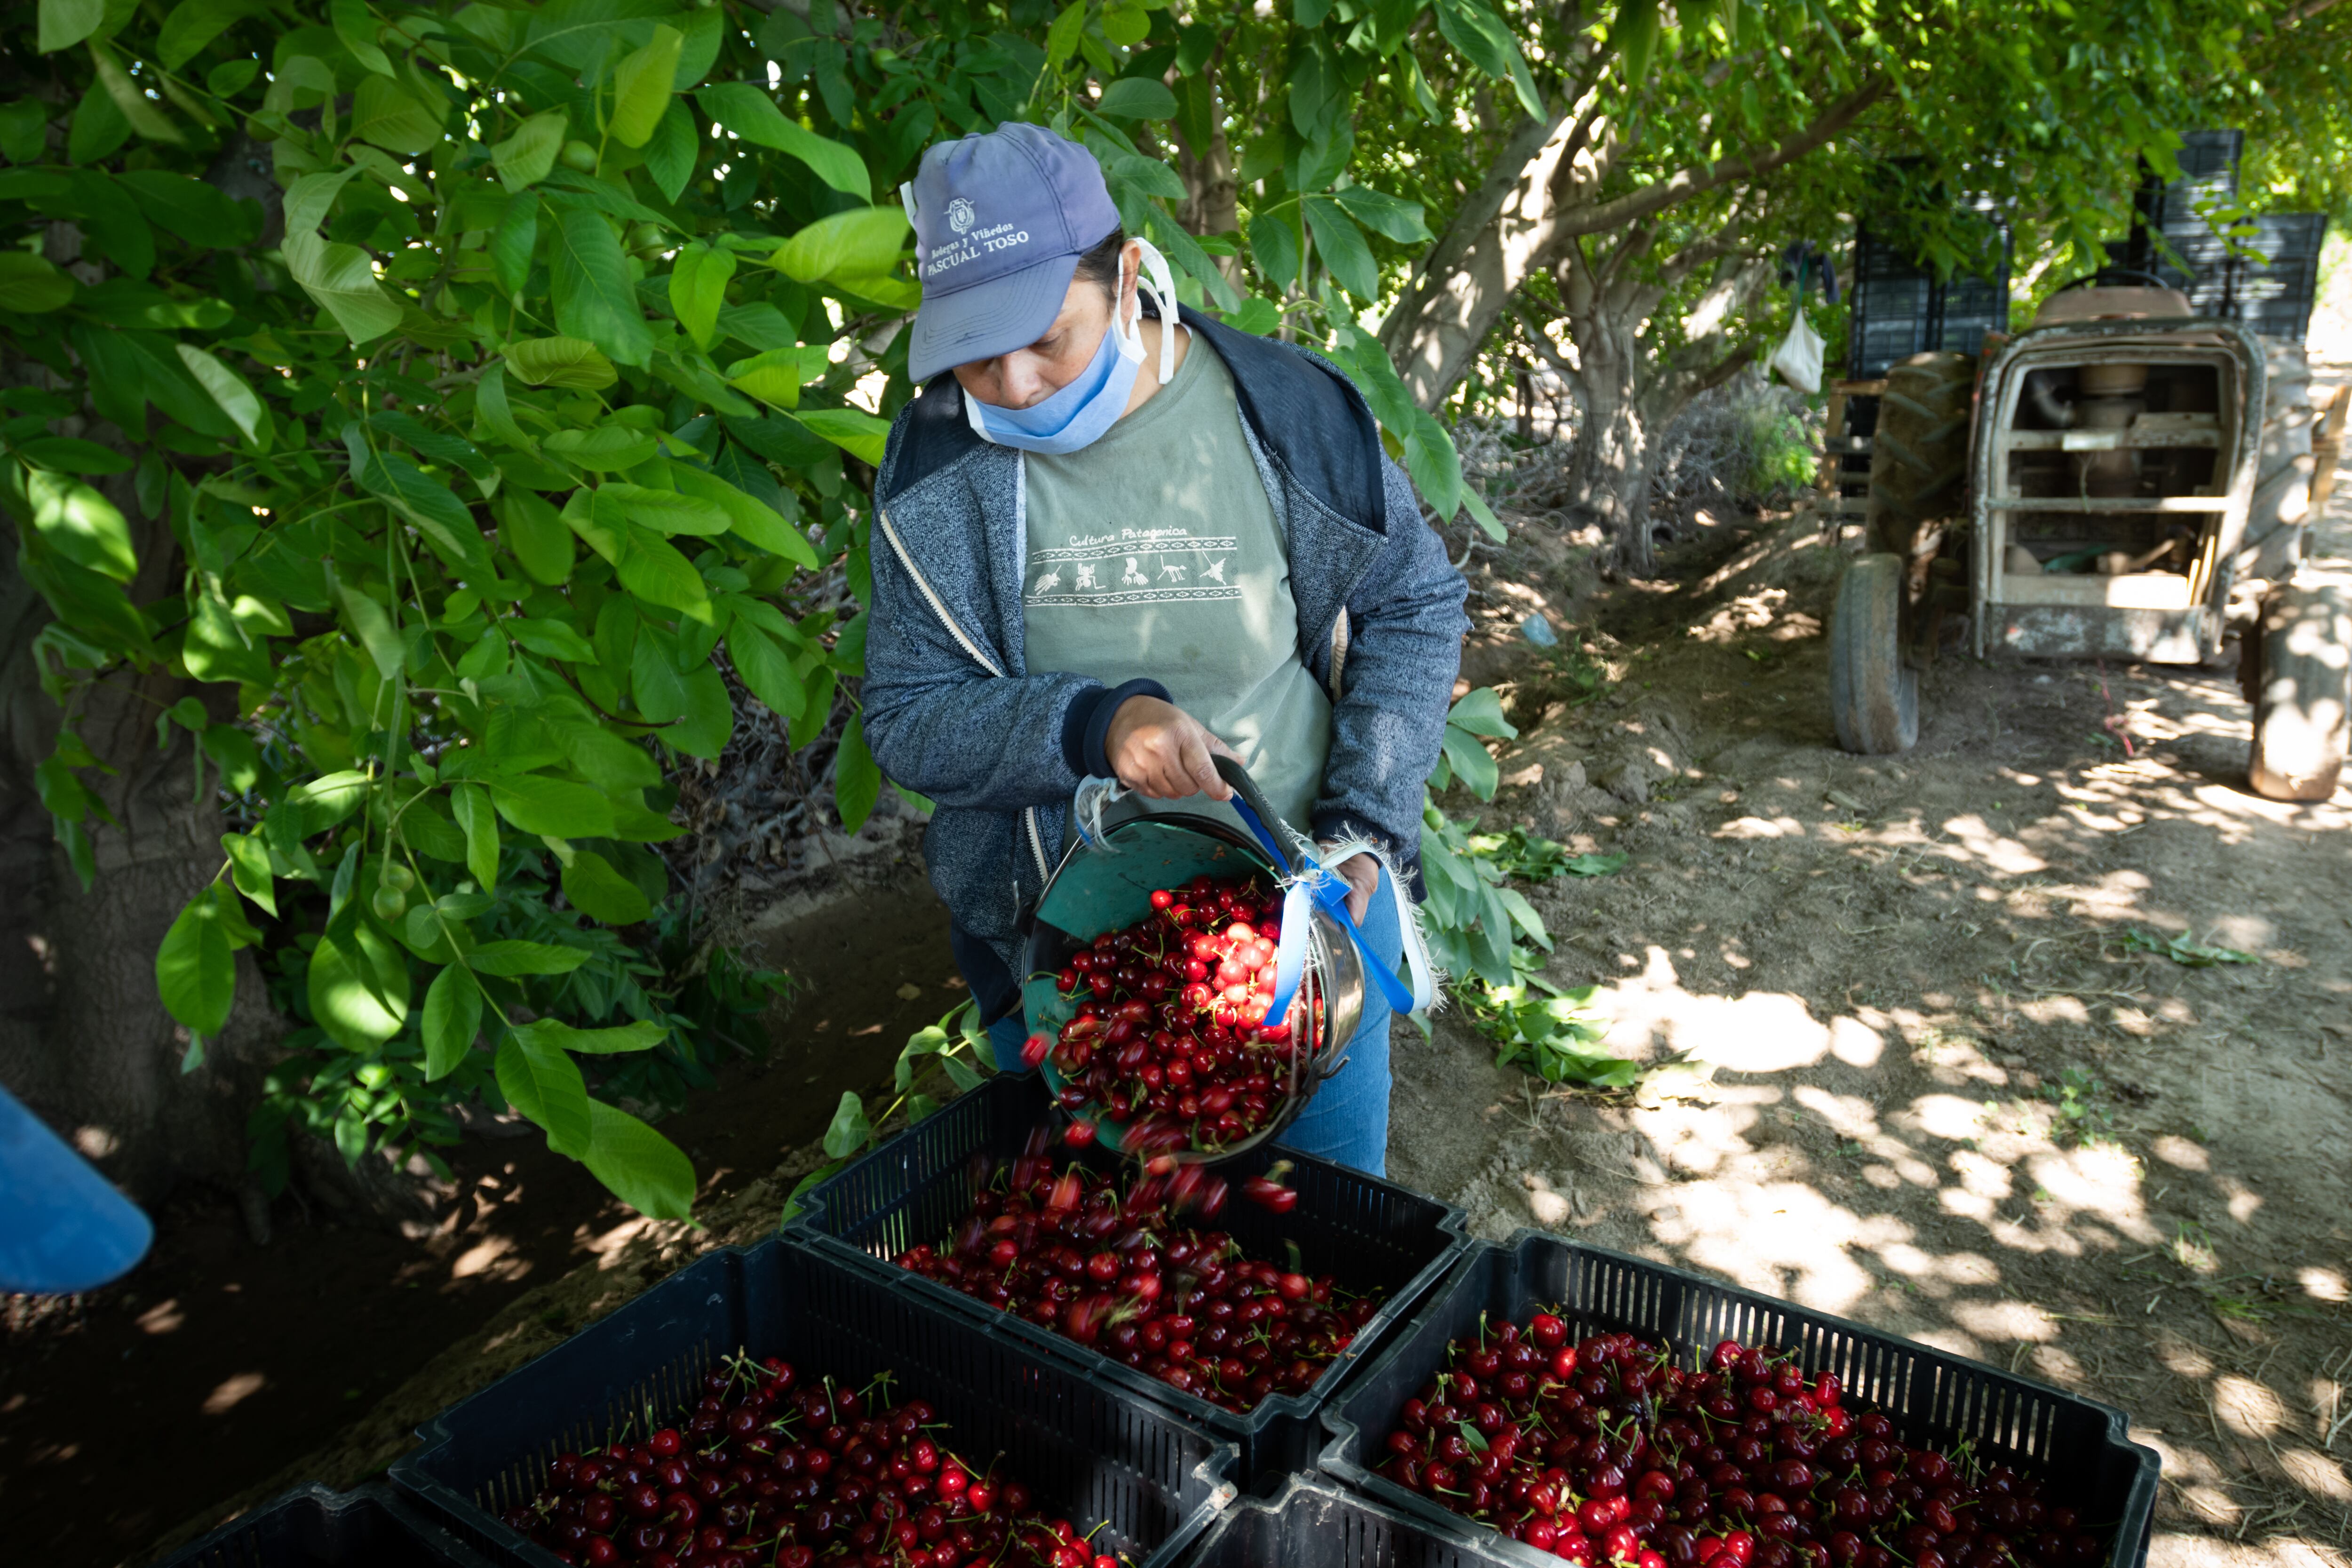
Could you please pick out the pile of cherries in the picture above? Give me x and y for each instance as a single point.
(1166, 1042)
(1131, 1278)
(768, 1471)
(1603, 1451)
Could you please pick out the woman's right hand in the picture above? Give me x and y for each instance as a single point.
(1160, 751)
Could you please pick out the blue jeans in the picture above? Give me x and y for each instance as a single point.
(1347, 1120)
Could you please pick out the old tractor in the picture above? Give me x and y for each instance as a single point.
(2123, 481)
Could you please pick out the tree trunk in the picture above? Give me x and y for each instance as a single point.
(84, 1039)
(1212, 196)
(1629, 392)
(1609, 467)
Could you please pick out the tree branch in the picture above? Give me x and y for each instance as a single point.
(1690, 182)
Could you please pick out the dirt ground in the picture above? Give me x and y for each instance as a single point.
(1938, 1083)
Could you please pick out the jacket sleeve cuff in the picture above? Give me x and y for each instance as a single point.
(1086, 728)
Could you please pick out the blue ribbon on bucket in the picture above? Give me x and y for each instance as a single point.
(1316, 886)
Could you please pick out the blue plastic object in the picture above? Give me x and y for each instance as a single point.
(63, 1227)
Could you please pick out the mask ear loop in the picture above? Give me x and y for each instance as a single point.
(1153, 272)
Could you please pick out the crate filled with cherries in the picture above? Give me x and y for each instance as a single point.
(1168, 1037)
(1604, 1451)
(1136, 1271)
(770, 1469)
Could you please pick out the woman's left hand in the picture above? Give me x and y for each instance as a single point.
(1363, 875)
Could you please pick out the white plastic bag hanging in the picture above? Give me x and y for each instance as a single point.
(1797, 360)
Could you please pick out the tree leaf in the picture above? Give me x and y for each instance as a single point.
(601, 893)
(358, 31)
(655, 682)
(641, 87)
(229, 390)
(546, 1086)
(554, 807)
(511, 959)
(386, 114)
(328, 799)
(249, 869)
(1341, 244)
(1385, 215)
(470, 805)
(849, 1130)
(29, 286)
(193, 24)
(856, 777)
(524, 158)
(513, 241)
(551, 1034)
(1274, 246)
(78, 522)
(1635, 32)
(444, 521)
(359, 987)
(375, 631)
(195, 969)
(588, 281)
(854, 431)
(670, 153)
(144, 116)
(860, 242)
(342, 279)
(571, 363)
(1137, 98)
(702, 731)
(664, 511)
(1485, 41)
(607, 448)
(751, 114)
(641, 1167)
(698, 290)
(655, 571)
(1481, 713)
(535, 533)
(765, 671)
(752, 520)
(64, 23)
(1471, 764)
(453, 1017)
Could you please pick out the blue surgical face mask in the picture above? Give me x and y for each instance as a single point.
(1076, 416)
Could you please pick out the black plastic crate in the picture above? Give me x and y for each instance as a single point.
(1365, 1231)
(1087, 1452)
(2274, 294)
(1316, 1525)
(313, 1526)
(2076, 1445)
(1901, 308)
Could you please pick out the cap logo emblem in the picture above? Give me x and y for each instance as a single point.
(959, 215)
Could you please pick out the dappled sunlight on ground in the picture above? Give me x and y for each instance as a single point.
(2032, 1043)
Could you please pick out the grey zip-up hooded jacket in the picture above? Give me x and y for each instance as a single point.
(952, 712)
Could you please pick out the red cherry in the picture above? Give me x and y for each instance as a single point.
(1078, 1134)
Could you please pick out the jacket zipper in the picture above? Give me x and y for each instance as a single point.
(939, 608)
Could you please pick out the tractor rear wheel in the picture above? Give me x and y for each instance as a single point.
(2298, 675)
(1873, 694)
(1919, 456)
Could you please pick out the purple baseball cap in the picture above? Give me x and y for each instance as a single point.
(1001, 220)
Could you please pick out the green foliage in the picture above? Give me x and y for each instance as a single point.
(2082, 1115)
(1485, 933)
(957, 1045)
(2184, 949)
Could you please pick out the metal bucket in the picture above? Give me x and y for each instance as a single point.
(1107, 884)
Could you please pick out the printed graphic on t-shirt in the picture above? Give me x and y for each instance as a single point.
(1133, 566)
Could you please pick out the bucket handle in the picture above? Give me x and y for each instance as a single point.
(1312, 885)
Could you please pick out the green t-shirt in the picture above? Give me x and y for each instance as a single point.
(1155, 554)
